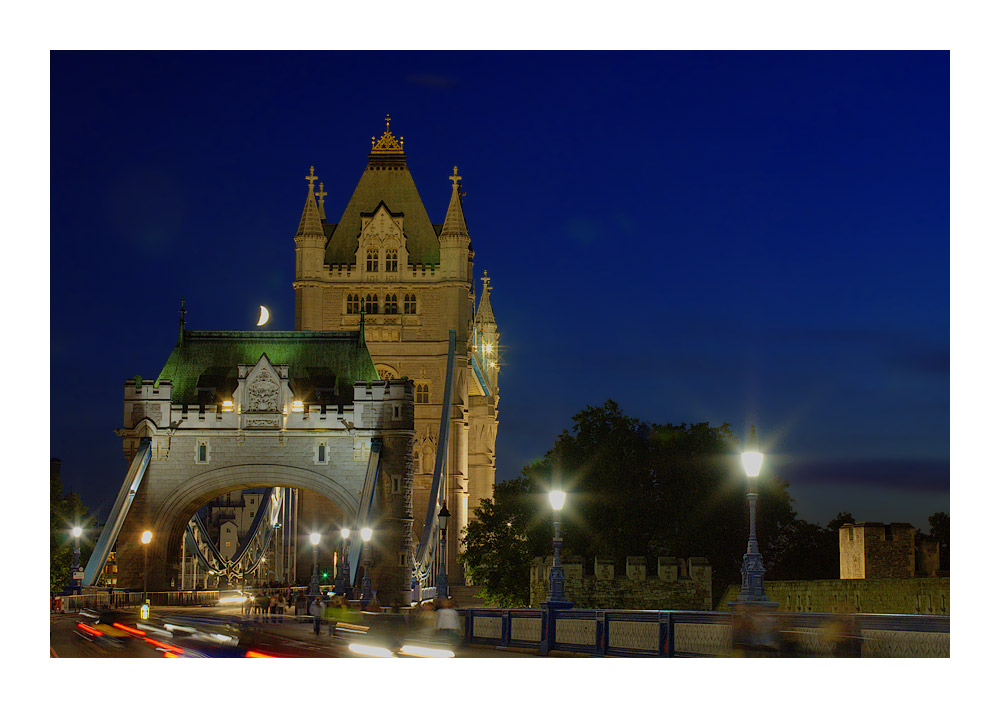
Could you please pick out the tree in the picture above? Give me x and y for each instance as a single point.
(839, 520)
(503, 536)
(635, 488)
(66, 510)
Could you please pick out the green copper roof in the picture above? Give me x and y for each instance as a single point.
(385, 180)
(322, 365)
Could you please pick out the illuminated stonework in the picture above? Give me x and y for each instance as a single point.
(414, 280)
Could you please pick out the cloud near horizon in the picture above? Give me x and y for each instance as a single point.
(918, 475)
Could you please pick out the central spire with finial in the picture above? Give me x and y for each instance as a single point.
(312, 178)
(388, 142)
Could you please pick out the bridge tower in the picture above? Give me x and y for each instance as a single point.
(413, 280)
(244, 410)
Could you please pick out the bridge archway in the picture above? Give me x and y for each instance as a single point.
(201, 488)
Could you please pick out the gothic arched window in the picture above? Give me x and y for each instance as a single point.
(391, 261)
(371, 304)
(372, 261)
(391, 307)
(409, 304)
(353, 304)
(423, 393)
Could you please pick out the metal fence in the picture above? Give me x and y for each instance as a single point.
(127, 598)
(705, 634)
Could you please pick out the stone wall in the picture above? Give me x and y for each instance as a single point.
(874, 550)
(906, 596)
(677, 585)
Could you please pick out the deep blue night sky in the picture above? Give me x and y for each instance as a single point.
(701, 236)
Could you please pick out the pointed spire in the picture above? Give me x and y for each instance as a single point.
(454, 220)
(180, 334)
(321, 194)
(484, 315)
(309, 224)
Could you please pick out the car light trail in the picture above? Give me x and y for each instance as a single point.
(130, 630)
(429, 652)
(368, 650)
(168, 647)
(90, 630)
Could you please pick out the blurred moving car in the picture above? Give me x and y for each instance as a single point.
(396, 635)
(217, 636)
(108, 630)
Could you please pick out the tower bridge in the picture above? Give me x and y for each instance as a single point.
(379, 409)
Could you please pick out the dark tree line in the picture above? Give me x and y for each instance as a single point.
(642, 489)
(66, 510)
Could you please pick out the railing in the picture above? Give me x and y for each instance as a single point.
(128, 598)
(683, 633)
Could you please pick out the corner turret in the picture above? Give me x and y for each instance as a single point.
(310, 245)
(455, 235)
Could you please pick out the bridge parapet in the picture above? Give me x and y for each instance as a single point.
(607, 632)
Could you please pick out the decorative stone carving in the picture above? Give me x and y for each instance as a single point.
(261, 422)
(263, 393)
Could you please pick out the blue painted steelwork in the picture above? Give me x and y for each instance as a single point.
(667, 621)
(109, 534)
(363, 517)
(477, 366)
(263, 526)
(423, 558)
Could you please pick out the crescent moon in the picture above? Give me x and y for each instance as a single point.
(264, 316)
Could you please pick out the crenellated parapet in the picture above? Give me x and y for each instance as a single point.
(679, 584)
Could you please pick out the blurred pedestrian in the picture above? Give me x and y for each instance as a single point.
(316, 609)
(281, 608)
(841, 633)
(447, 622)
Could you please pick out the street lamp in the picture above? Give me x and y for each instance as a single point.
(557, 581)
(314, 583)
(344, 572)
(366, 583)
(557, 599)
(146, 537)
(752, 589)
(76, 558)
(442, 579)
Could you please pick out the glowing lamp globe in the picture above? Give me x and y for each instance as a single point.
(314, 538)
(557, 499)
(77, 531)
(752, 462)
(344, 533)
(366, 534)
(147, 536)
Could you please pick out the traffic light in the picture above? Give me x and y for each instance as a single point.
(326, 574)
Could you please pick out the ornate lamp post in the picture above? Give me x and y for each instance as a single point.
(344, 572)
(366, 582)
(557, 599)
(752, 589)
(314, 538)
(73, 581)
(146, 537)
(442, 579)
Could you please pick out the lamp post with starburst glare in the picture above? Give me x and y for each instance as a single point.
(752, 589)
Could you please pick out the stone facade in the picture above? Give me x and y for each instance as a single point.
(250, 435)
(414, 282)
(906, 596)
(677, 585)
(874, 550)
